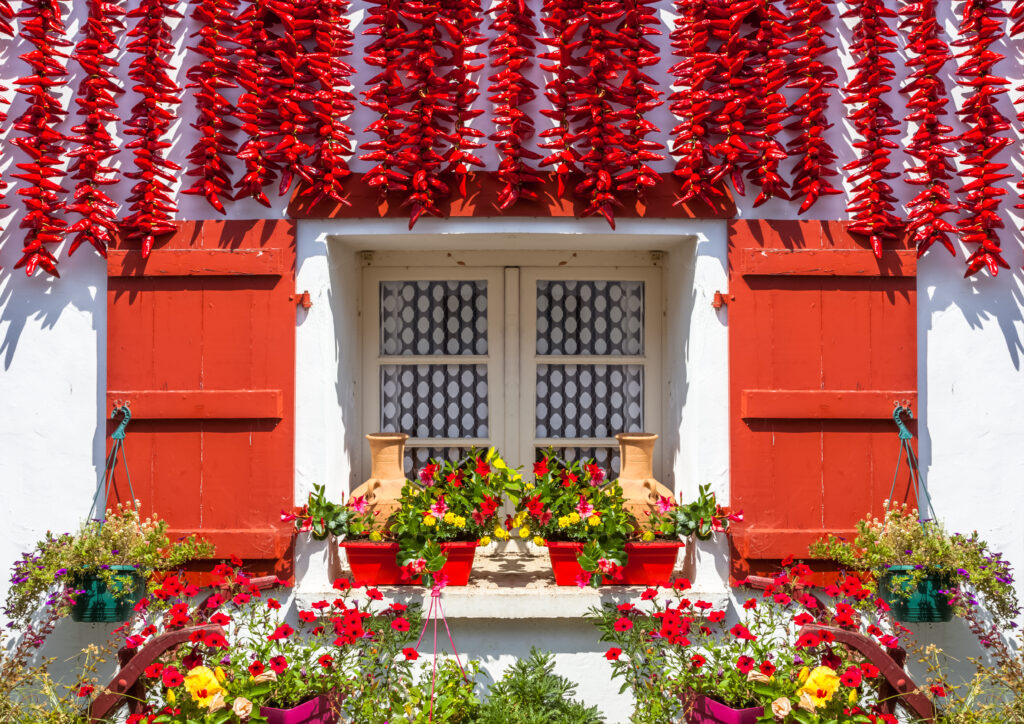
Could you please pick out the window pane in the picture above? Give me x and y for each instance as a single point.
(433, 317)
(590, 317)
(417, 457)
(589, 400)
(606, 457)
(427, 401)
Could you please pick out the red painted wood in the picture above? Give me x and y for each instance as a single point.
(816, 360)
(827, 262)
(481, 200)
(205, 353)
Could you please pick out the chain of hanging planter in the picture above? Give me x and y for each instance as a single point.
(106, 481)
(907, 450)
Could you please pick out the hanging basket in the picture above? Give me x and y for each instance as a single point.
(102, 603)
(922, 602)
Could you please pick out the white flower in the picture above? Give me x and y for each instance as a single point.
(781, 707)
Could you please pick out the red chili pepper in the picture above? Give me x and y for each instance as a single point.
(981, 26)
(151, 200)
(43, 27)
(562, 18)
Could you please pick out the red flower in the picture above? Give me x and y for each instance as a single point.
(374, 594)
(938, 690)
(307, 616)
(623, 624)
(767, 668)
(256, 668)
(172, 677)
(85, 690)
(851, 677)
(153, 670)
(400, 624)
(281, 632)
(241, 598)
(716, 616)
(808, 641)
(482, 468)
(742, 632)
(613, 653)
(782, 599)
(326, 660)
(625, 607)
(398, 607)
(216, 641)
(744, 664)
(278, 664)
(681, 584)
(319, 605)
(870, 671)
(803, 618)
(648, 594)
(697, 660)
(410, 653)
(750, 603)
(273, 604)
(540, 468)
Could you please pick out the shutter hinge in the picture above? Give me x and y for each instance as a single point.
(302, 300)
(720, 300)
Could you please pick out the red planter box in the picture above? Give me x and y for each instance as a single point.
(648, 564)
(374, 564)
(709, 711)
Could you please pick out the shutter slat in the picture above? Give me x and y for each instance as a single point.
(202, 404)
(822, 404)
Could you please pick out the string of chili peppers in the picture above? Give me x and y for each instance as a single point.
(6, 29)
(151, 200)
(564, 21)
(97, 103)
(258, 77)
(332, 102)
(1017, 28)
(384, 95)
(691, 104)
(512, 54)
(873, 201)
(981, 26)
(208, 160)
(463, 19)
(638, 95)
(43, 27)
(931, 143)
(770, 110)
(814, 74)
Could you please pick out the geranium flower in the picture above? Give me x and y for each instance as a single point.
(584, 508)
(278, 664)
(410, 653)
(623, 624)
(664, 504)
(613, 653)
(400, 624)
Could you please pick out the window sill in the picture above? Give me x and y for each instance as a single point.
(514, 587)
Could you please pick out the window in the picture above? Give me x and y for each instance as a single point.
(520, 357)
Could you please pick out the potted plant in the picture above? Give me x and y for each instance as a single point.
(105, 565)
(263, 668)
(443, 515)
(922, 572)
(573, 510)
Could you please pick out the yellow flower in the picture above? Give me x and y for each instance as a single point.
(449, 517)
(852, 698)
(485, 541)
(538, 541)
(821, 684)
(594, 520)
(171, 698)
(574, 517)
(202, 684)
(564, 522)
(647, 536)
(375, 535)
(500, 533)
(429, 521)
(804, 673)
(219, 673)
(520, 517)
(460, 521)
(524, 533)
(530, 486)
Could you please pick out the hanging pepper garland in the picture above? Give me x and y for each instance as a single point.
(463, 19)
(982, 26)
(873, 201)
(1017, 28)
(383, 96)
(97, 102)
(564, 20)
(512, 53)
(43, 27)
(931, 144)
(7, 29)
(691, 104)
(332, 102)
(813, 74)
(151, 200)
(208, 160)
(770, 110)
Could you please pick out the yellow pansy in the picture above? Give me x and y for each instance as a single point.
(202, 684)
(594, 520)
(429, 521)
(538, 541)
(821, 684)
(524, 533)
(485, 541)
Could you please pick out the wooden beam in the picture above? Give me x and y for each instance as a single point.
(827, 263)
(201, 404)
(822, 404)
(196, 262)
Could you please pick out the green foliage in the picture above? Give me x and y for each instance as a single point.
(899, 538)
(323, 517)
(122, 539)
(701, 518)
(531, 693)
(408, 701)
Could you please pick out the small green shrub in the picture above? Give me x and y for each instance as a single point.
(531, 693)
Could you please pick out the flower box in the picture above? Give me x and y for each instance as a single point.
(924, 605)
(99, 604)
(648, 564)
(375, 564)
(701, 709)
(314, 711)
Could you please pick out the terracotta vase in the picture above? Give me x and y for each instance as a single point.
(387, 473)
(636, 473)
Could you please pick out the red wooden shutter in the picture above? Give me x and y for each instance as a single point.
(822, 341)
(201, 342)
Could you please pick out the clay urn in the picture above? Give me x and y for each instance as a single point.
(383, 488)
(636, 473)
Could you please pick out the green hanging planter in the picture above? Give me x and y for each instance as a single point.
(922, 603)
(101, 603)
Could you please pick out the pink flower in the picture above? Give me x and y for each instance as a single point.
(584, 508)
(665, 504)
(427, 474)
(287, 517)
(583, 579)
(358, 504)
(596, 473)
(439, 508)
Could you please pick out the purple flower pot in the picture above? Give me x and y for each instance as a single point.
(314, 711)
(709, 711)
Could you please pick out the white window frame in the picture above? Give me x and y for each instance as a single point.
(512, 327)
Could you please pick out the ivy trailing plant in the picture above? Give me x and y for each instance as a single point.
(931, 144)
(981, 26)
(43, 27)
(872, 204)
(97, 104)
